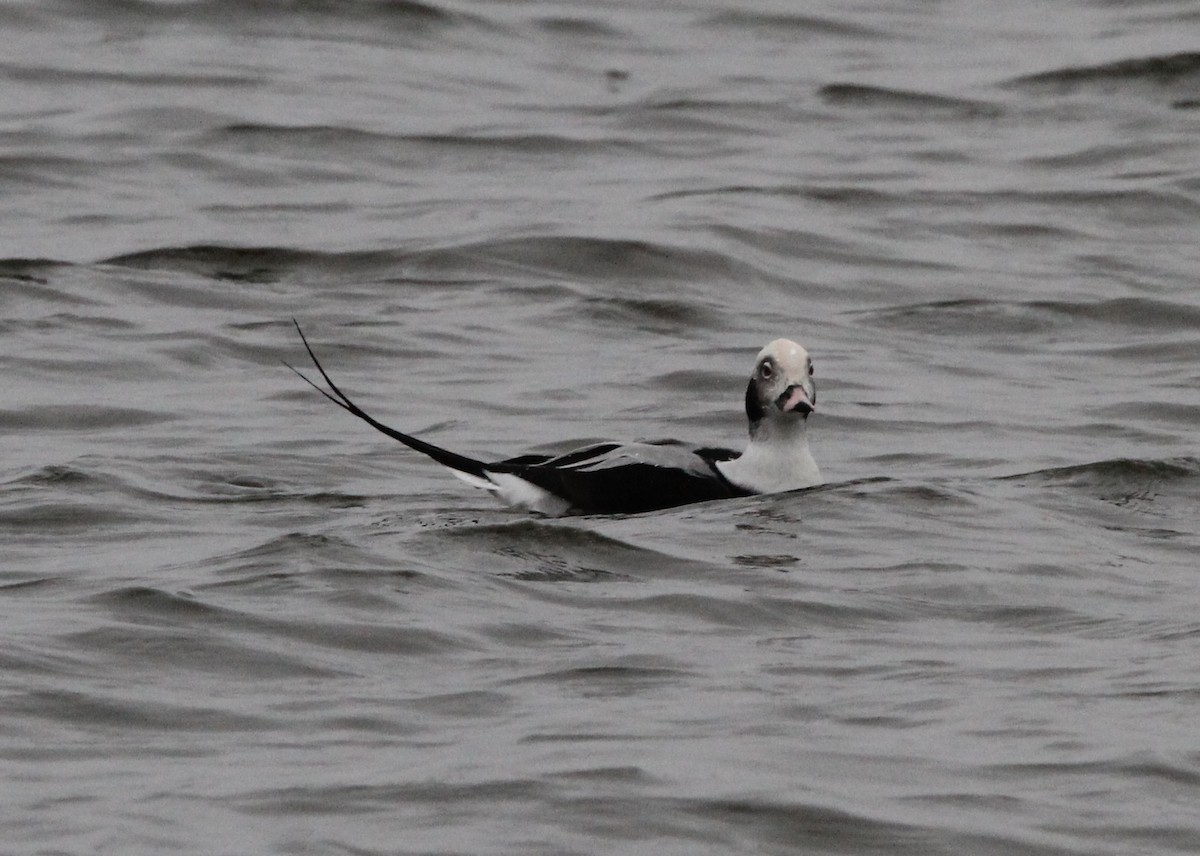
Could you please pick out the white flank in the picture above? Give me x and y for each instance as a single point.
(474, 481)
(516, 491)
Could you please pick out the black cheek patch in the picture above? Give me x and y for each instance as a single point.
(754, 410)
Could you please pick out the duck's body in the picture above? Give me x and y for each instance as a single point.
(627, 478)
(610, 478)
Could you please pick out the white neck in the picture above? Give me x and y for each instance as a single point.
(777, 459)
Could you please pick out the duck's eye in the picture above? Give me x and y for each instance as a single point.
(810, 369)
(766, 370)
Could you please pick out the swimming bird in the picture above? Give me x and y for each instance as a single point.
(628, 478)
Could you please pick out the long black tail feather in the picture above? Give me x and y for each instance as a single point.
(446, 458)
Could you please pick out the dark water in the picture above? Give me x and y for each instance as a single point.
(237, 621)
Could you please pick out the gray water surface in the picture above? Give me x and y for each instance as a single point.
(236, 620)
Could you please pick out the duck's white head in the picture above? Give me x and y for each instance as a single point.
(781, 389)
